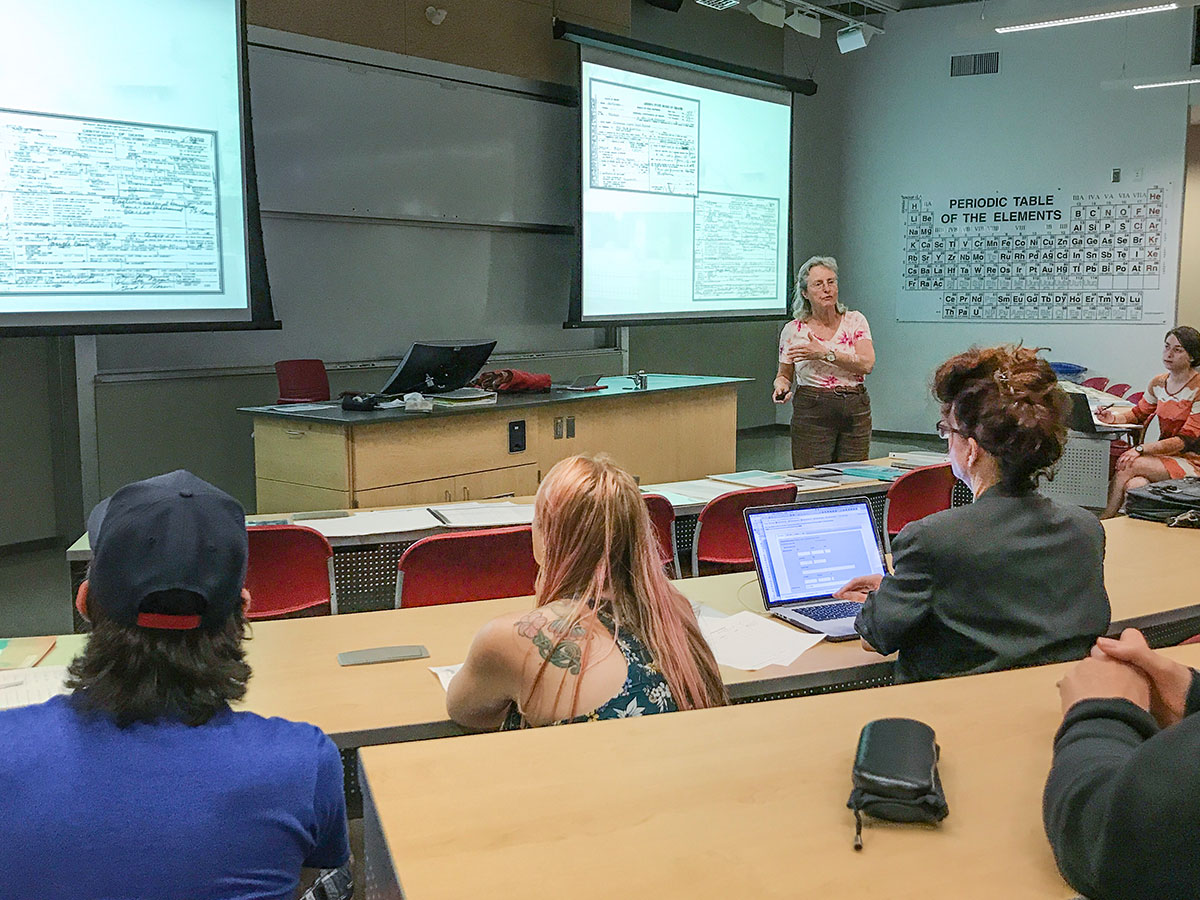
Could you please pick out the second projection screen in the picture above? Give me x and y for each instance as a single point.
(686, 185)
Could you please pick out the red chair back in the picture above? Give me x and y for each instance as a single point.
(290, 572)
(302, 380)
(1194, 639)
(467, 565)
(662, 517)
(1099, 382)
(915, 495)
(1136, 397)
(721, 538)
(1117, 390)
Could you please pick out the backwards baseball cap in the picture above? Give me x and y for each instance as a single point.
(173, 532)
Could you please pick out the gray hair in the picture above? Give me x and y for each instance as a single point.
(801, 308)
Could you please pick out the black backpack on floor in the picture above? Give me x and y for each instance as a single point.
(1176, 502)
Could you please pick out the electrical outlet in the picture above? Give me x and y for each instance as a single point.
(558, 428)
(570, 426)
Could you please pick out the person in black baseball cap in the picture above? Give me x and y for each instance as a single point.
(143, 782)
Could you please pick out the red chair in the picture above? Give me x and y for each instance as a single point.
(302, 380)
(720, 538)
(1117, 390)
(662, 517)
(913, 496)
(1194, 639)
(467, 565)
(290, 572)
(1099, 383)
(1136, 397)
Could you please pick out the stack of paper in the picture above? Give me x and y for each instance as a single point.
(702, 489)
(468, 396)
(749, 641)
(484, 515)
(916, 459)
(752, 478)
(384, 521)
(23, 687)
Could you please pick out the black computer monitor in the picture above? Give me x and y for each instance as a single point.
(435, 367)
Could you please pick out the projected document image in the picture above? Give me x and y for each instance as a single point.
(686, 186)
(643, 140)
(818, 564)
(736, 247)
(92, 206)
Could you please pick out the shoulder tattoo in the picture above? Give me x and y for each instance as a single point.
(558, 645)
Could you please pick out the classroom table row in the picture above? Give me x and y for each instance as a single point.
(367, 543)
(743, 801)
(297, 675)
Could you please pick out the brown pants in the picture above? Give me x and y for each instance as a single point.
(830, 426)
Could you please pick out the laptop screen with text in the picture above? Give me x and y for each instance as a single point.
(808, 551)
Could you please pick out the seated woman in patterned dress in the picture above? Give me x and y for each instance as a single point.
(1174, 398)
(609, 636)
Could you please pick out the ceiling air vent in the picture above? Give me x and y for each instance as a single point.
(975, 64)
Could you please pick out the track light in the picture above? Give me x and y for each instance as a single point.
(1094, 17)
(803, 23)
(767, 13)
(855, 37)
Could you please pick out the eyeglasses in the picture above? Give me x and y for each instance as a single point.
(944, 429)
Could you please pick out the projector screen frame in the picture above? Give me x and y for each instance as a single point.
(582, 35)
(262, 315)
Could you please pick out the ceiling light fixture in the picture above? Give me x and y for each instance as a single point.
(855, 37)
(804, 23)
(1158, 84)
(1094, 17)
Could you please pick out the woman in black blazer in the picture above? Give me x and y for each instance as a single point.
(1012, 579)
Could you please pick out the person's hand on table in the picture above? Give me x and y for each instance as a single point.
(856, 589)
(1101, 677)
(782, 391)
(1106, 415)
(804, 350)
(1170, 681)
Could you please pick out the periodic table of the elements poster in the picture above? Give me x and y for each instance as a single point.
(1054, 256)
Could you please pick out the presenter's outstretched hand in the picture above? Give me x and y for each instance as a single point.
(782, 391)
(1170, 681)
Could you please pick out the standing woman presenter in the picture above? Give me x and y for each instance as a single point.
(824, 355)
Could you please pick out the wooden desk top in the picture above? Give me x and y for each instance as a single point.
(296, 674)
(745, 801)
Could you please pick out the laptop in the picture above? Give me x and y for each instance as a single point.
(803, 552)
(1082, 420)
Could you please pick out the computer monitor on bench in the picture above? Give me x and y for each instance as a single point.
(436, 367)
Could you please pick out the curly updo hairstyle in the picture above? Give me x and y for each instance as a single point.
(1007, 398)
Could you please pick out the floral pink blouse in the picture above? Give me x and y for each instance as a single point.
(816, 373)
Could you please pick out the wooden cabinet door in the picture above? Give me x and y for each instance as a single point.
(435, 490)
(515, 481)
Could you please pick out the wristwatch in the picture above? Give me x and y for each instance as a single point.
(830, 356)
(1140, 449)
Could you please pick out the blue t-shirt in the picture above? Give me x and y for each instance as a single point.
(229, 809)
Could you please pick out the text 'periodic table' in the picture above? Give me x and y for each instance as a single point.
(1054, 256)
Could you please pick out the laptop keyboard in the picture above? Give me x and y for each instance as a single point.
(828, 611)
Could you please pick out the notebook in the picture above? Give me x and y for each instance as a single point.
(803, 552)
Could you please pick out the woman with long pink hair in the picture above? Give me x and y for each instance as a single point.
(609, 636)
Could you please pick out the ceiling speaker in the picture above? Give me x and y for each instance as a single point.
(672, 5)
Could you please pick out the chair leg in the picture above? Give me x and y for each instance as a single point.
(696, 550)
(399, 587)
(332, 589)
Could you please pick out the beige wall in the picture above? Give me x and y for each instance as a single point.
(509, 36)
(1189, 255)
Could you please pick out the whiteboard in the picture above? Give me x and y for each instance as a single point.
(397, 206)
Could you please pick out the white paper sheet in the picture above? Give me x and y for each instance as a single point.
(445, 674)
(751, 478)
(492, 515)
(749, 641)
(702, 489)
(383, 521)
(22, 687)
